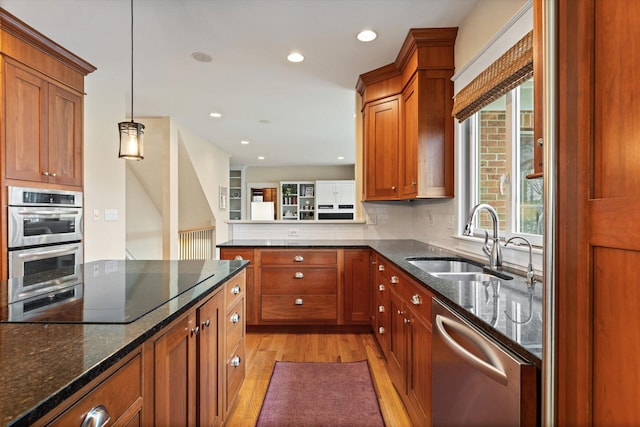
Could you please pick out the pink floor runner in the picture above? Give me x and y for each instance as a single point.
(320, 394)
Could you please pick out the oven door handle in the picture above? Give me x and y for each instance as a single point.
(51, 212)
(48, 253)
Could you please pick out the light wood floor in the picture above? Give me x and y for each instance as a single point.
(264, 349)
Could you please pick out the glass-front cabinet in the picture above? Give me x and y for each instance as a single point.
(297, 200)
(235, 195)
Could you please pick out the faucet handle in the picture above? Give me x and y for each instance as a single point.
(485, 247)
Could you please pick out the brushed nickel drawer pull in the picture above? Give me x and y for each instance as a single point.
(206, 323)
(394, 279)
(238, 258)
(381, 309)
(235, 318)
(235, 362)
(235, 290)
(299, 275)
(415, 299)
(96, 417)
(299, 301)
(381, 287)
(381, 330)
(381, 267)
(298, 258)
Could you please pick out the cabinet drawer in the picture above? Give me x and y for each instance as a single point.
(312, 307)
(417, 297)
(234, 253)
(120, 394)
(303, 281)
(235, 289)
(299, 257)
(235, 373)
(234, 325)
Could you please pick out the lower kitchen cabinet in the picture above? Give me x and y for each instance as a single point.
(407, 342)
(252, 294)
(118, 393)
(357, 286)
(210, 316)
(234, 337)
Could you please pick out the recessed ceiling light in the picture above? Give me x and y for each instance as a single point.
(201, 57)
(260, 157)
(367, 35)
(340, 157)
(216, 115)
(264, 121)
(245, 142)
(295, 57)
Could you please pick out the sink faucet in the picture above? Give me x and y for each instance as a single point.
(531, 281)
(493, 252)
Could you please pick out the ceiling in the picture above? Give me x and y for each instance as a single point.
(292, 114)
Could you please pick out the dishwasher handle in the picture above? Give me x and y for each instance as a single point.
(493, 372)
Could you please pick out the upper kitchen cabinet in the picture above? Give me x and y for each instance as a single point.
(42, 119)
(408, 127)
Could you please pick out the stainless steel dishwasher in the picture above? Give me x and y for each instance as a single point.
(475, 381)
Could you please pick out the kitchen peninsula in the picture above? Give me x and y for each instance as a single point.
(138, 341)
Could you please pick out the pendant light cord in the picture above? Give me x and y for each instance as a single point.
(132, 61)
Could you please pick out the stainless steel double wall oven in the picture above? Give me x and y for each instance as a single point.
(44, 240)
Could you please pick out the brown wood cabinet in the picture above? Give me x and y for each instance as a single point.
(299, 286)
(252, 294)
(210, 378)
(406, 341)
(408, 128)
(118, 391)
(234, 345)
(357, 286)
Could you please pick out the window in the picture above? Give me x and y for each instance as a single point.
(499, 145)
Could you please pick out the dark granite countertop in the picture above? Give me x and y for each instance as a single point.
(42, 364)
(484, 305)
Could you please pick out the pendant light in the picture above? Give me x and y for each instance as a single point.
(131, 133)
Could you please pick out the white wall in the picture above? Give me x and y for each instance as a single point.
(211, 164)
(144, 222)
(104, 172)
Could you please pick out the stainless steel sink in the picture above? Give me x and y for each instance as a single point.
(467, 277)
(431, 265)
(457, 270)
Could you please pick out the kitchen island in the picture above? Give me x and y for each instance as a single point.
(45, 362)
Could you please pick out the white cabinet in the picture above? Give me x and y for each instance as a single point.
(297, 200)
(235, 195)
(335, 199)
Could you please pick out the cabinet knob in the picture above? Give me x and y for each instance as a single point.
(299, 275)
(381, 309)
(406, 321)
(235, 290)
(381, 330)
(98, 416)
(299, 301)
(238, 258)
(415, 299)
(393, 188)
(45, 173)
(206, 323)
(394, 279)
(195, 330)
(235, 361)
(235, 318)
(381, 267)
(381, 287)
(414, 183)
(400, 312)
(298, 258)
(540, 142)
(53, 174)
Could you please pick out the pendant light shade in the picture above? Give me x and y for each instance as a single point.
(131, 133)
(131, 140)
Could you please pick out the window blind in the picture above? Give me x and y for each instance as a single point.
(506, 73)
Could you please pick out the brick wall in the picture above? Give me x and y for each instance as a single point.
(492, 160)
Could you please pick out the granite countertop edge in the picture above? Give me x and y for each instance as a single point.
(396, 251)
(153, 322)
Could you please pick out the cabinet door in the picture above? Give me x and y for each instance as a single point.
(26, 136)
(396, 361)
(409, 148)
(357, 286)
(211, 360)
(382, 141)
(175, 375)
(346, 193)
(65, 136)
(419, 368)
(325, 193)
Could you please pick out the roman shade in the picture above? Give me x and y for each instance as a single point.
(507, 72)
